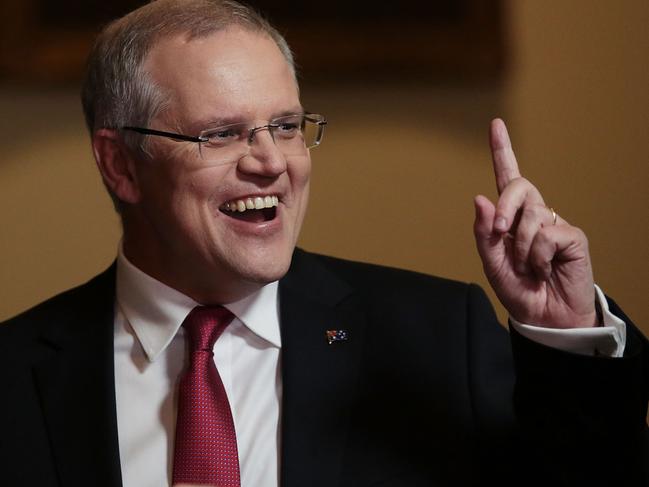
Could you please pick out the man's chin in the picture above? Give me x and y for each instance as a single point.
(267, 272)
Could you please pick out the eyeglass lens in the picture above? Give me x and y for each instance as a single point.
(292, 135)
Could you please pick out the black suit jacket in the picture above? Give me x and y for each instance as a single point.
(425, 391)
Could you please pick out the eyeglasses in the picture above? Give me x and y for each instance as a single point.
(292, 134)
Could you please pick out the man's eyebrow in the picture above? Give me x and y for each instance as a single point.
(299, 110)
(221, 121)
(217, 122)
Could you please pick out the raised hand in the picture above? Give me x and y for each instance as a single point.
(536, 262)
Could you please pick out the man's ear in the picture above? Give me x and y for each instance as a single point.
(116, 165)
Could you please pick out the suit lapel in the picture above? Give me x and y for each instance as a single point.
(319, 380)
(77, 391)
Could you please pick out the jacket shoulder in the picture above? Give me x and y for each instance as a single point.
(61, 307)
(413, 295)
(390, 282)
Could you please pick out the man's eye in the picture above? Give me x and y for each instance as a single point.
(288, 126)
(287, 129)
(223, 136)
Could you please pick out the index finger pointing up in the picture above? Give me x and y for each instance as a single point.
(502, 154)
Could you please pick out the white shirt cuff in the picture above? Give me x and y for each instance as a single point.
(608, 340)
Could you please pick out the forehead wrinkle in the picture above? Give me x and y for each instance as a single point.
(232, 84)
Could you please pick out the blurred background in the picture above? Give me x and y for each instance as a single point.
(409, 93)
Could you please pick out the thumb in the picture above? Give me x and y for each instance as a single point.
(490, 246)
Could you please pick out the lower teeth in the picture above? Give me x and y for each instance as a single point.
(256, 216)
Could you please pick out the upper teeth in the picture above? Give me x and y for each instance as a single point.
(256, 203)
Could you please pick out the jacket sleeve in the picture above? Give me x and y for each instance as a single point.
(583, 419)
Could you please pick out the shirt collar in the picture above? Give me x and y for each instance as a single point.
(156, 311)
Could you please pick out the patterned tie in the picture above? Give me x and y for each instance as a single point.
(206, 444)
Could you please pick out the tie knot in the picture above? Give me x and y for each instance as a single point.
(204, 325)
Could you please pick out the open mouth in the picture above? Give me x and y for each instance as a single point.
(258, 209)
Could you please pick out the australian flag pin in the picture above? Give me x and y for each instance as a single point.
(334, 336)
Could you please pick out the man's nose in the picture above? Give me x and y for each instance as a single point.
(263, 156)
(268, 128)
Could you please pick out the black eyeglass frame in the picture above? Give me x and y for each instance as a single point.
(251, 132)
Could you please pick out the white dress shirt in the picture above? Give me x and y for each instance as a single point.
(150, 354)
(608, 339)
(149, 358)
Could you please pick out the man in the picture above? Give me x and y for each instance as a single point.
(329, 372)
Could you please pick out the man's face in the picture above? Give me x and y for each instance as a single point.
(184, 235)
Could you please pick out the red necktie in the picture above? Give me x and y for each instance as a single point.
(206, 444)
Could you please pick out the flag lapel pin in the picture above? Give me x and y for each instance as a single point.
(334, 336)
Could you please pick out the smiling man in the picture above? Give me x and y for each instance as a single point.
(213, 352)
(228, 207)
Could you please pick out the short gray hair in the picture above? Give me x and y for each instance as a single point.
(117, 90)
